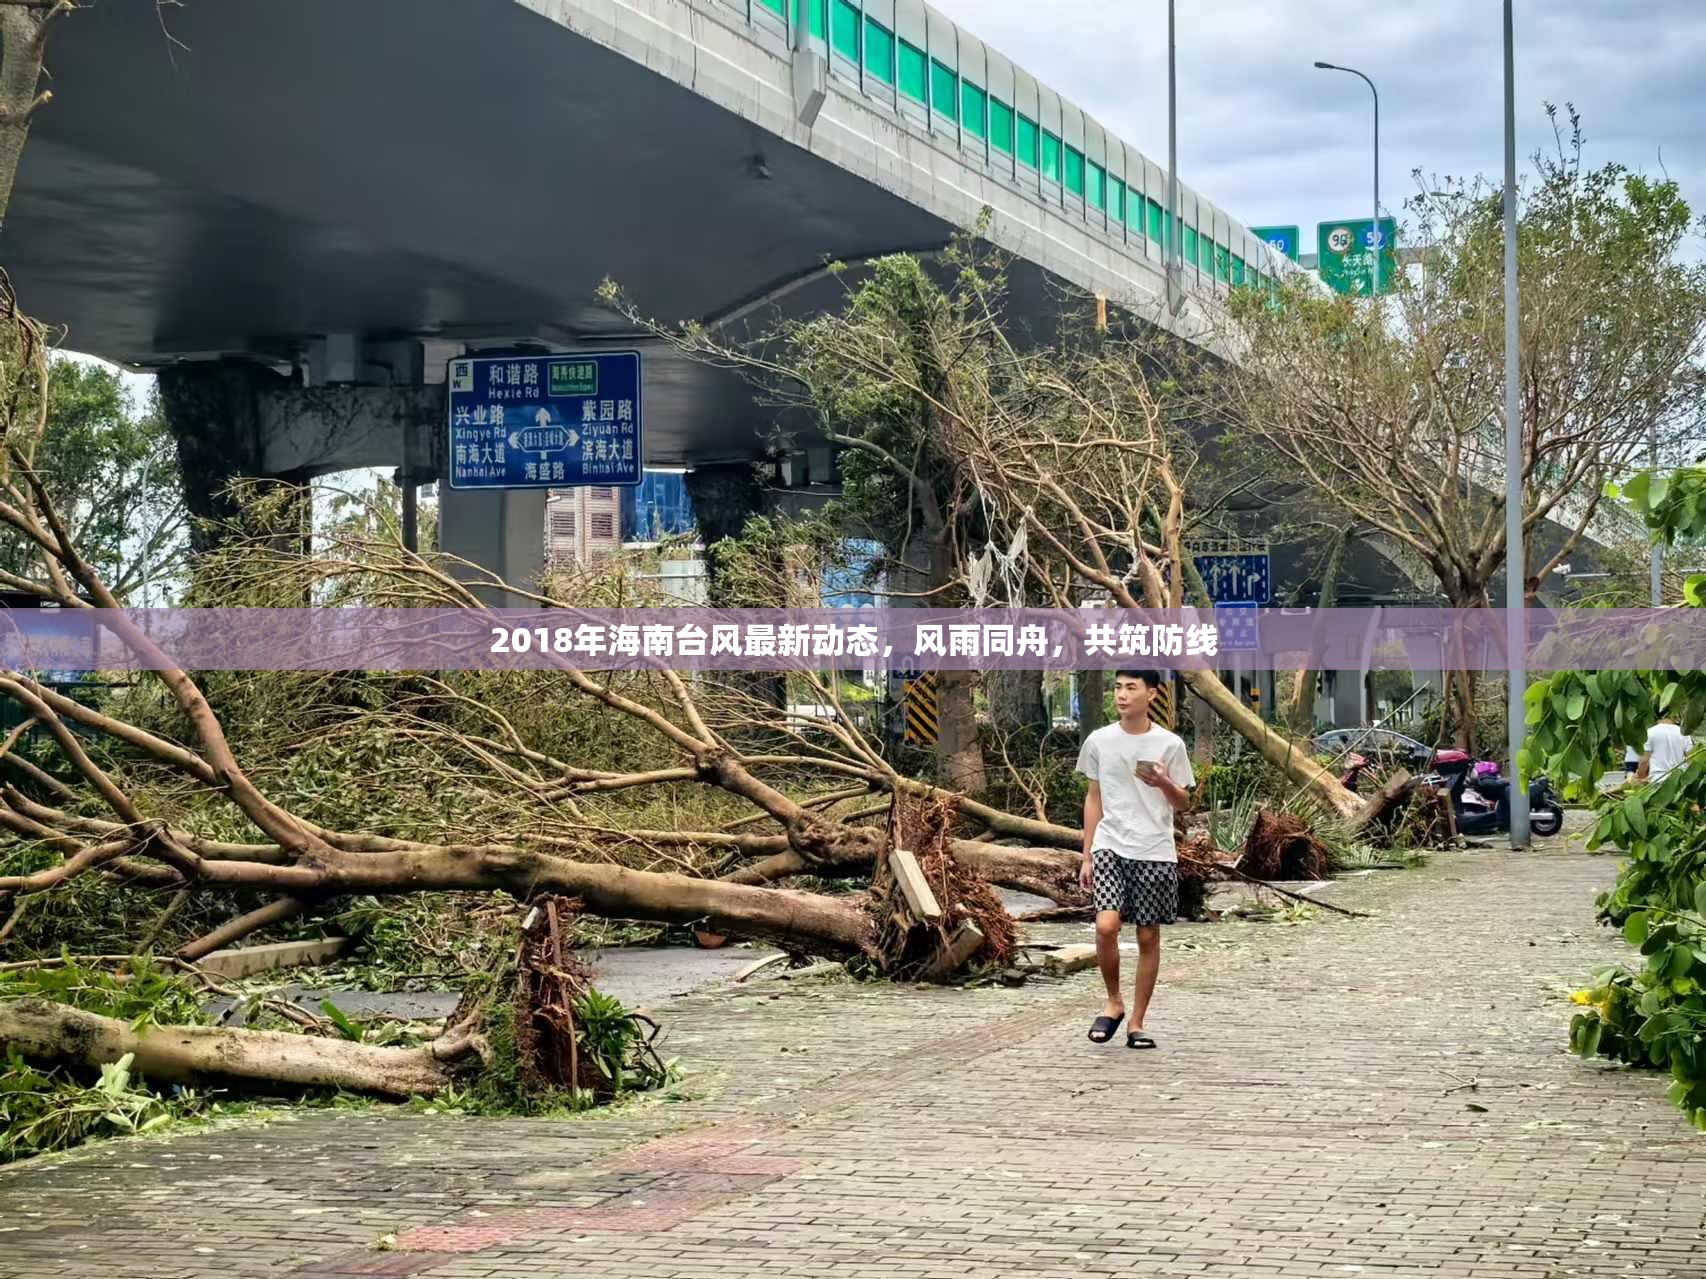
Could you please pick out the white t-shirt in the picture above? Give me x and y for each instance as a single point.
(1667, 745)
(1137, 820)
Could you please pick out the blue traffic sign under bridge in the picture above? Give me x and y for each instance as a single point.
(545, 421)
(1236, 578)
(1239, 627)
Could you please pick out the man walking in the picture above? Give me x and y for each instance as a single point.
(1140, 775)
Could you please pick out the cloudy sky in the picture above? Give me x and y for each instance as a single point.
(1274, 141)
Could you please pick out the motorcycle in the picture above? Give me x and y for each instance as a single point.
(1480, 796)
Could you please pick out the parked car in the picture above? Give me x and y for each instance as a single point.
(1381, 744)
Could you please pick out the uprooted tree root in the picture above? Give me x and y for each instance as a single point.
(557, 1047)
(1198, 868)
(911, 949)
(1281, 846)
(548, 982)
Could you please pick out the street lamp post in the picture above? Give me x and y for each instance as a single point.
(1657, 566)
(1516, 563)
(1379, 247)
(1175, 270)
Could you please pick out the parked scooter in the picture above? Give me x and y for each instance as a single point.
(1480, 796)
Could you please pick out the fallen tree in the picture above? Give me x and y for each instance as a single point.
(1068, 459)
(286, 865)
(53, 1032)
(300, 865)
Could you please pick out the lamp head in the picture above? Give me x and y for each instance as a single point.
(1325, 66)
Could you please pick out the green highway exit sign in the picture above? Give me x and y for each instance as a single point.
(1284, 240)
(1347, 254)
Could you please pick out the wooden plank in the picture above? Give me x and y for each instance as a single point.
(246, 961)
(1069, 959)
(758, 965)
(909, 875)
(952, 957)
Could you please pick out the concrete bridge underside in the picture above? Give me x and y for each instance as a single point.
(305, 209)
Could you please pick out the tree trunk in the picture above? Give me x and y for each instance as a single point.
(1202, 721)
(1016, 699)
(1290, 757)
(834, 927)
(47, 1031)
(1090, 696)
(1460, 702)
(724, 496)
(1301, 702)
(1044, 872)
(22, 38)
(958, 750)
(1391, 797)
(959, 753)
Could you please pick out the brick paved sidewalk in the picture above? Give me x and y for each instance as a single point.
(1309, 1114)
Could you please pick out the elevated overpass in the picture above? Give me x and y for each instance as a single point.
(299, 210)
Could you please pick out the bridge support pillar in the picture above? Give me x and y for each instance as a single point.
(213, 410)
(501, 531)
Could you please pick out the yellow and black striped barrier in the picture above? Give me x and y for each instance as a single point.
(1161, 705)
(922, 711)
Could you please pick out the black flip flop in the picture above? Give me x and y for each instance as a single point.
(1106, 1026)
(1138, 1039)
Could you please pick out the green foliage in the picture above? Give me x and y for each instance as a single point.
(47, 1110)
(1673, 506)
(1038, 765)
(925, 333)
(44, 1111)
(1235, 771)
(780, 560)
(426, 938)
(615, 1040)
(373, 514)
(1655, 1017)
(1229, 823)
(1062, 785)
(144, 995)
(341, 1022)
(1487, 727)
(1579, 723)
(112, 474)
(379, 752)
(95, 914)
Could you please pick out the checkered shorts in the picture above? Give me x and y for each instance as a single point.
(1143, 892)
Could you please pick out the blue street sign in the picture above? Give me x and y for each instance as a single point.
(1284, 240)
(1234, 579)
(1238, 627)
(545, 421)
